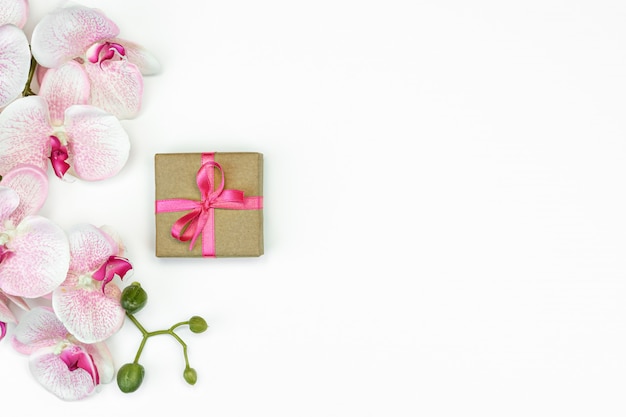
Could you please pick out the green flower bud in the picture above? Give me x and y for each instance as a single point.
(130, 377)
(197, 324)
(134, 298)
(190, 376)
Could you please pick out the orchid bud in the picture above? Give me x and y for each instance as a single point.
(130, 377)
(134, 298)
(190, 375)
(197, 324)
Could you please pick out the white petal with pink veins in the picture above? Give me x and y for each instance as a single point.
(18, 301)
(14, 12)
(63, 87)
(67, 33)
(6, 315)
(98, 145)
(38, 328)
(53, 374)
(40, 72)
(24, 134)
(115, 239)
(14, 63)
(89, 248)
(39, 260)
(9, 201)
(103, 359)
(140, 56)
(88, 313)
(117, 87)
(31, 185)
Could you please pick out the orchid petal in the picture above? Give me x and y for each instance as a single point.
(117, 87)
(103, 360)
(6, 315)
(115, 239)
(24, 134)
(140, 56)
(14, 12)
(53, 374)
(18, 301)
(40, 259)
(75, 357)
(66, 34)
(104, 51)
(40, 72)
(97, 142)
(89, 248)
(14, 63)
(31, 185)
(63, 87)
(58, 156)
(88, 313)
(9, 201)
(115, 265)
(37, 329)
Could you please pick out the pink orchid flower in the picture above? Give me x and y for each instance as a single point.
(34, 251)
(66, 367)
(6, 315)
(88, 302)
(114, 67)
(14, 50)
(58, 126)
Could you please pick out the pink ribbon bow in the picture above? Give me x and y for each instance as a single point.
(201, 217)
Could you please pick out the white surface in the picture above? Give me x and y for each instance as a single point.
(445, 212)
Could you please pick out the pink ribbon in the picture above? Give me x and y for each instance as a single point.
(201, 217)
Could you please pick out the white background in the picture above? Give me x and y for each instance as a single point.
(445, 211)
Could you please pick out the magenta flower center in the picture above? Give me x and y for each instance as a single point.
(58, 155)
(105, 51)
(76, 358)
(4, 253)
(115, 265)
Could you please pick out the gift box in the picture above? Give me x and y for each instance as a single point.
(209, 204)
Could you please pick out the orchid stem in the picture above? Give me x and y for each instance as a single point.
(146, 334)
(31, 73)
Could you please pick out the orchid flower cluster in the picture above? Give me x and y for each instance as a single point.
(59, 291)
(89, 80)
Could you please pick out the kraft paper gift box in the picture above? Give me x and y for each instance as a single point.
(209, 204)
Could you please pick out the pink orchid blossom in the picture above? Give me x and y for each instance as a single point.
(34, 251)
(14, 50)
(58, 126)
(88, 302)
(114, 67)
(6, 315)
(66, 367)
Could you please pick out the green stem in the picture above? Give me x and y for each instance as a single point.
(146, 334)
(182, 323)
(136, 322)
(143, 332)
(183, 344)
(31, 73)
